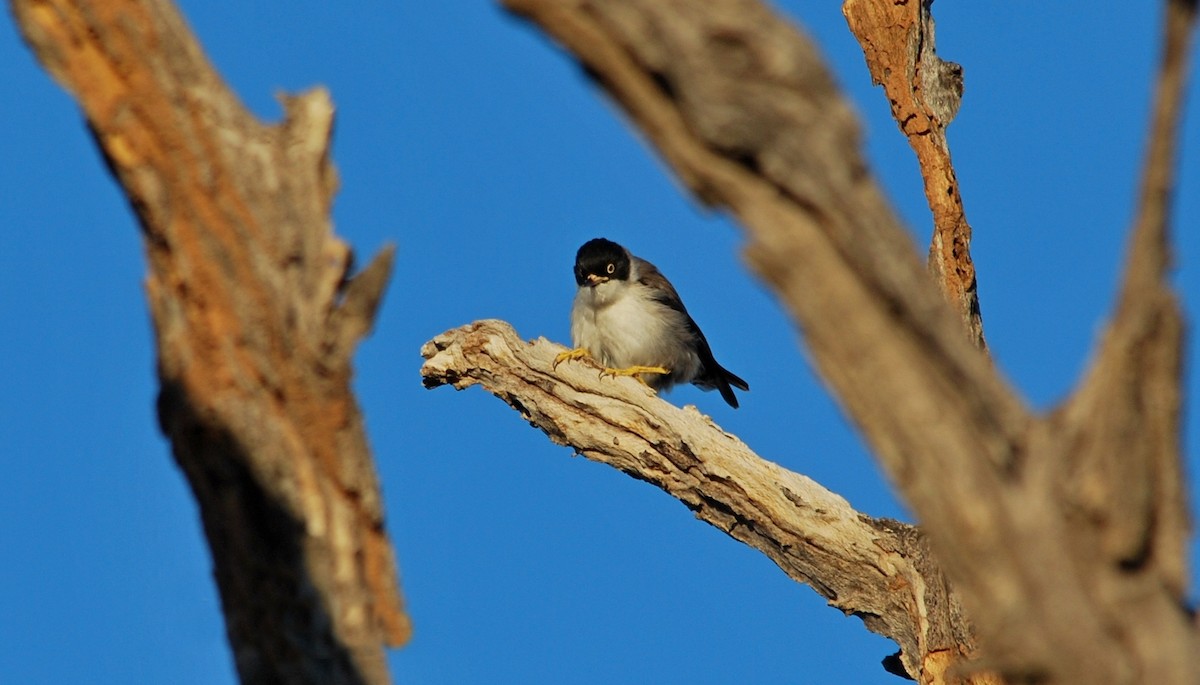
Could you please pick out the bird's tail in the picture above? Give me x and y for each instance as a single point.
(723, 378)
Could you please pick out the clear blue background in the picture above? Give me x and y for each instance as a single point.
(470, 141)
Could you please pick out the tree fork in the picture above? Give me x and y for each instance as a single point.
(1068, 568)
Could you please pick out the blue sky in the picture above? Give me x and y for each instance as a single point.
(473, 144)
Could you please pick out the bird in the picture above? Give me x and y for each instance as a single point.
(628, 316)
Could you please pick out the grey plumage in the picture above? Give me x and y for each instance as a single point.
(627, 314)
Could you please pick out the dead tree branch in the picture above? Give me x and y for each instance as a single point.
(924, 91)
(256, 320)
(877, 569)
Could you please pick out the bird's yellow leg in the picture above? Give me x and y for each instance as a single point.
(635, 371)
(577, 353)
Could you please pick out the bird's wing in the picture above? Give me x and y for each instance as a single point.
(712, 375)
(664, 292)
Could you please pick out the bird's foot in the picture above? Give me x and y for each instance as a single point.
(577, 353)
(636, 372)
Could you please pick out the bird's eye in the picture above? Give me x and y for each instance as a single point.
(612, 268)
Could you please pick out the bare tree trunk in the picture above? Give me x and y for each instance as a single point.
(256, 320)
(1063, 534)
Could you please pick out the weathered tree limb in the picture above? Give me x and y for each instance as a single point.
(877, 569)
(924, 91)
(742, 109)
(1122, 472)
(256, 323)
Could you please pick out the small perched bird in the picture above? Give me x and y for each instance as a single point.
(628, 316)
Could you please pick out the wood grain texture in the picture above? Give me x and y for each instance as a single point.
(256, 317)
(877, 569)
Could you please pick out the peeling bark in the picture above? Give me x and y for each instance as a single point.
(256, 318)
(924, 92)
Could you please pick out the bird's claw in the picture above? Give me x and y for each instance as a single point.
(634, 371)
(577, 353)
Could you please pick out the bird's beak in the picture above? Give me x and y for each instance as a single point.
(595, 280)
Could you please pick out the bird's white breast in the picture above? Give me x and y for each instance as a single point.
(621, 325)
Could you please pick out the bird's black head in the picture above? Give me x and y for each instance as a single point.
(599, 260)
